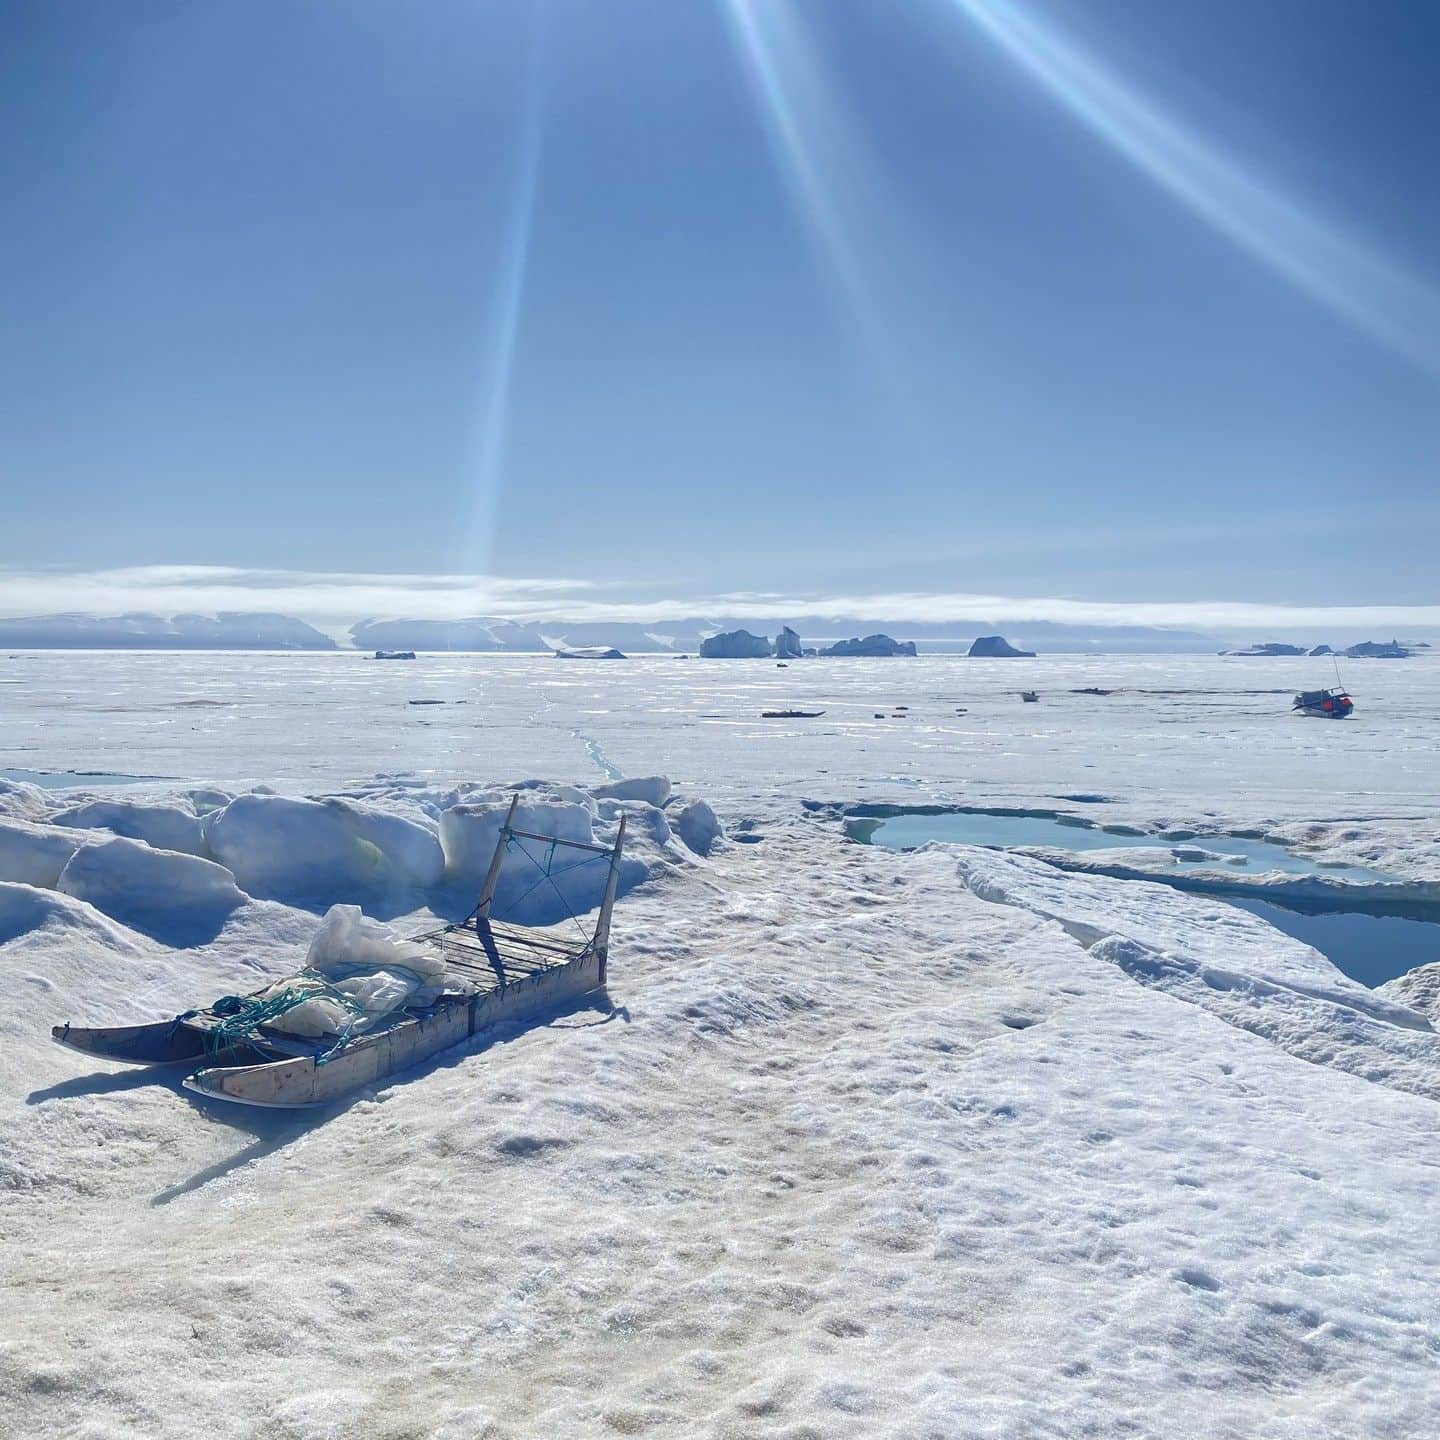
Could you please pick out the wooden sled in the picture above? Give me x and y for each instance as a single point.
(501, 973)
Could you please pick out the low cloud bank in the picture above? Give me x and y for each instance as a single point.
(327, 598)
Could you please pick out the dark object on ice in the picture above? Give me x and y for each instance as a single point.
(1324, 704)
(1271, 648)
(1092, 690)
(590, 652)
(426, 702)
(790, 714)
(735, 645)
(1379, 650)
(879, 714)
(495, 973)
(394, 654)
(871, 645)
(781, 665)
(1029, 696)
(997, 647)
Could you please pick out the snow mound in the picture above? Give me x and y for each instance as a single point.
(1418, 989)
(641, 819)
(1226, 961)
(25, 909)
(35, 854)
(22, 800)
(180, 899)
(652, 789)
(287, 848)
(470, 831)
(206, 798)
(410, 848)
(166, 827)
(698, 826)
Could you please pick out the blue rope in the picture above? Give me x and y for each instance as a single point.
(241, 1018)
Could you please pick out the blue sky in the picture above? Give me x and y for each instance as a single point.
(1120, 301)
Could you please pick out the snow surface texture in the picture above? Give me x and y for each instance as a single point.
(863, 1154)
(1207, 744)
(1281, 989)
(938, 1144)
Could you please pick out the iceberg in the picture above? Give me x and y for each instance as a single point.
(735, 645)
(871, 645)
(997, 647)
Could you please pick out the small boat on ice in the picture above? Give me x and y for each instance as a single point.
(1324, 704)
(483, 973)
(791, 714)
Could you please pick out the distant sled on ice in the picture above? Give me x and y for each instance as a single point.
(1323, 704)
(471, 976)
(791, 714)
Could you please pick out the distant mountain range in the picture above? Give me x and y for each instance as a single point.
(252, 630)
(227, 630)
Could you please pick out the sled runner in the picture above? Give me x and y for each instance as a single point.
(493, 973)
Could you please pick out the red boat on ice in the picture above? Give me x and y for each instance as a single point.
(1324, 704)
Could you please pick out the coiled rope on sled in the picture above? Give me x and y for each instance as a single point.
(240, 1017)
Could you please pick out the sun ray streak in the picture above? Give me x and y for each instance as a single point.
(497, 370)
(829, 178)
(1318, 257)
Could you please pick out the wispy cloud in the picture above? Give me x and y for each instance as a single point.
(343, 596)
(327, 595)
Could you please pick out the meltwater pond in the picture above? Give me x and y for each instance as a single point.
(75, 779)
(911, 829)
(1367, 947)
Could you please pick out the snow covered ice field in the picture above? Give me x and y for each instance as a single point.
(937, 1144)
